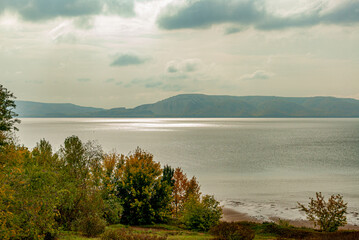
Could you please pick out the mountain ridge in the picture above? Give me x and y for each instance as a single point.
(201, 105)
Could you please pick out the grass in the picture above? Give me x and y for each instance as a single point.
(172, 232)
(67, 235)
(265, 231)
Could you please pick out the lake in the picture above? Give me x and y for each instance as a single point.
(258, 166)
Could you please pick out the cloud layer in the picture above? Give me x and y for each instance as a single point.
(257, 75)
(185, 66)
(39, 10)
(127, 60)
(205, 13)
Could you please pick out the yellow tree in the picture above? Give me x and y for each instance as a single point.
(179, 191)
(193, 189)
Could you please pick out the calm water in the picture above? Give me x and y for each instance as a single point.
(258, 166)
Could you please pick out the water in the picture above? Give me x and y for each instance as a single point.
(258, 166)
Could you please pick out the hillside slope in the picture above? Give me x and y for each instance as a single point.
(200, 105)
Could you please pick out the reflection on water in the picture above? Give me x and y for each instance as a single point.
(252, 161)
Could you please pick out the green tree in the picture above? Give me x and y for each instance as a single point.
(113, 207)
(43, 154)
(202, 214)
(7, 114)
(11, 172)
(327, 215)
(73, 158)
(161, 201)
(28, 195)
(80, 179)
(138, 183)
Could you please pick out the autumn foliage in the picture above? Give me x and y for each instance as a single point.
(183, 190)
(327, 215)
(81, 188)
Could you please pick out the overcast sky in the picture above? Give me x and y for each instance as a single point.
(113, 53)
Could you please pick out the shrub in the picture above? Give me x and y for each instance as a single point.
(91, 226)
(286, 232)
(232, 231)
(90, 211)
(121, 234)
(327, 215)
(201, 215)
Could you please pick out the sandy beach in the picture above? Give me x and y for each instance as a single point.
(231, 215)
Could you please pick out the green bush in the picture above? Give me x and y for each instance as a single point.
(232, 231)
(201, 215)
(121, 234)
(91, 225)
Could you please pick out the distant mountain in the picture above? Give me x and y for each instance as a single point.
(200, 105)
(36, 109)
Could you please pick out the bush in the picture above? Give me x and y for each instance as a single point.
(120, 234)
(91, 225)
(327, 215)
(201, 215)
(286, 232)
(113, 211)
(232, 231)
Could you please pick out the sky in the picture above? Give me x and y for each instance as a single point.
(123, 53)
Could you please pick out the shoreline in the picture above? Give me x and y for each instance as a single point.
(232, 215)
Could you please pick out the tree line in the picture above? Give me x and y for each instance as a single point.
(80, 187)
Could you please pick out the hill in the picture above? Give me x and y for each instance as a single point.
(37, 109)
(200, 105)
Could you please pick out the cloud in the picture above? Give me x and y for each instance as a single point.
(149, 82)
(232, 30)
(40, 10)
(190, 65)
(162, 82)
(85, 22)
(70, 38)
(153, 84)
(187, 65)
(172, 69)
(123, 8)
(37, 10)
(83, 80)
(127, 60)
(257, 75)
(205, 13)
